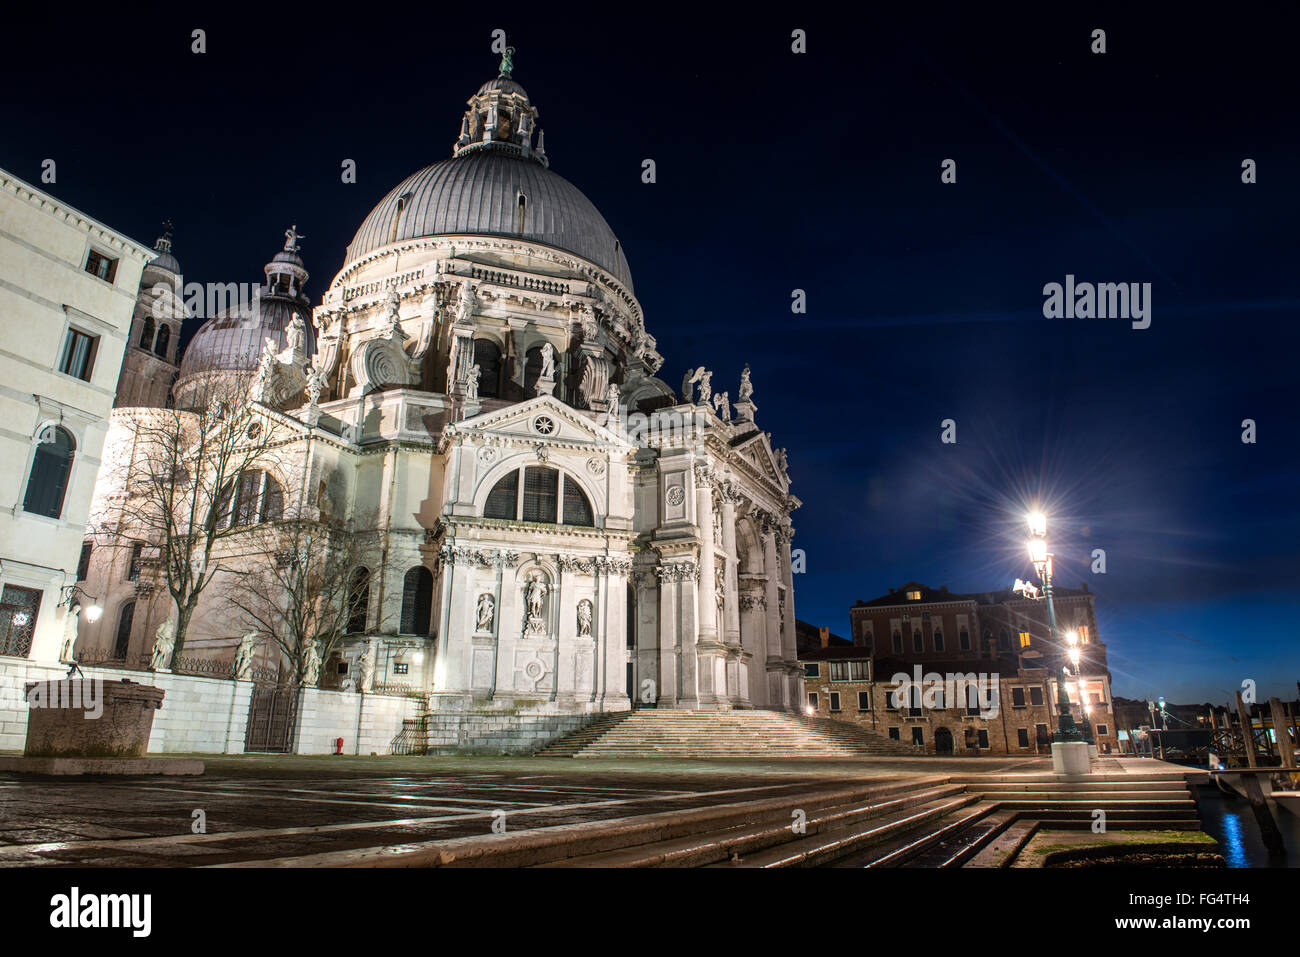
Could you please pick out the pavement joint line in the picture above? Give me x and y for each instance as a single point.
(27, 850)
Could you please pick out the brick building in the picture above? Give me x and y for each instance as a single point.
(936, 639)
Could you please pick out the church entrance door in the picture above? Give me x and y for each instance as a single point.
(272, 719)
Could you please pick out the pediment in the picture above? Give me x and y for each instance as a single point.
(757, 450)
(528, 421)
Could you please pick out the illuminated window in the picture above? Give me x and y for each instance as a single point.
(913, 596)
(1024, 639)
(1083, 634)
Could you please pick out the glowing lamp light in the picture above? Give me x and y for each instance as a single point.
(1074, 657)
(1037, 524)
(1038, 550)
(417, 657)
(93, 613)
(21, 618)
(810, 710)
(1072, 637)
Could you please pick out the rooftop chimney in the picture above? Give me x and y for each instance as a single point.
(826, 636)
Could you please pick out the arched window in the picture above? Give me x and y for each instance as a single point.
(358, 600)
(48, 481)
(252, 498)
(938, 640)
(532, 370)
(1004, 641)
(898, 643)
(417, 601)
(918, 642)
(122, 643)
(963, 639)
(164, 339)
(548, 496)
(487, 356)
(146, 334)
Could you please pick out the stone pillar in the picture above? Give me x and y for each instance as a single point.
(707, 594)
(788, 642)
(731, 609)
(678, 629)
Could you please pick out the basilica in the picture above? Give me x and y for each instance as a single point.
(548, 526)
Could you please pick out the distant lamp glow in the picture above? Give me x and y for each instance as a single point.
(1037, 524)
(1072, 637)
(1074, 657)
(93, 613)
(1038, 551)
(810, 710)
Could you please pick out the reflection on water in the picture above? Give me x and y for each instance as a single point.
(1231, 822)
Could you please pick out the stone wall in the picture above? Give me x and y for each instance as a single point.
(497, 732)
(198, 715)
(367, 723)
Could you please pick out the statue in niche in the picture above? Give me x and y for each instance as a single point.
(485, 612)
(584, 618)
(164, 640)
(311, 663)
(722, 405)
(535, 598)
(244, 656)
(471, 383)
(612, 398)
(746, 387)
(70, 633)
(548, 361)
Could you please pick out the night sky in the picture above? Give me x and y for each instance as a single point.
(821, 172)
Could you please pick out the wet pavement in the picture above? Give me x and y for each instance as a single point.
(258, 807)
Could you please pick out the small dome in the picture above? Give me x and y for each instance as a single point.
(164, 260)
(232, 341)
(501, 84)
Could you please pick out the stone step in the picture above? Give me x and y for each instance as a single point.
(724, 845)
(839, 843)
(1006, 846)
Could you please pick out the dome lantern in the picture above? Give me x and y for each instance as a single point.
(500, 118)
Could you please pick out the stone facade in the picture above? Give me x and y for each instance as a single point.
(551, 531)
(995, 636)
(68, 286)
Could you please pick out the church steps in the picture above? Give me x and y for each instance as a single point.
(711, 734)
(703, 849)
(838, 843)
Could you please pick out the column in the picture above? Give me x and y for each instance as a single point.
(731, 610)
(707, 593)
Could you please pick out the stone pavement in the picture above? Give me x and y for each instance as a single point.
(259, 807)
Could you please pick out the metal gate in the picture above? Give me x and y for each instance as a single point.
(272, 719)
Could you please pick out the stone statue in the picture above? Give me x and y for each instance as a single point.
(612, 398)
(311, 664)
(485, 612)
(471, 385)
(291, 237)
(548, 361)
(723, 406)
(260, 390)
(584, 618)
(366, 670)
(746, 387)
(706, 388)
(507, 61)
(781, 461)
(394, 314)
(164, 639)
(295, 335)
(70, 633)
(688, 383)
(244, 656)
(535, 597)
(465, 303)
(315, 385)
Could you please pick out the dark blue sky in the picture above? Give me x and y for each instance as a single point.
(821, 172)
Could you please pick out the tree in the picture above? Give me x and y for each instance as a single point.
(189, 483)
(297, 583)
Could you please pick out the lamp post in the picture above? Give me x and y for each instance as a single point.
(1073, 638)
(1066, 731)
(69, 597)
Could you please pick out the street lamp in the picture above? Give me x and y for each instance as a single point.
(69, 598)
(1066, 731)
(1079, 691)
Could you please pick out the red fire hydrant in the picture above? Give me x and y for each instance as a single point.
(338, 745)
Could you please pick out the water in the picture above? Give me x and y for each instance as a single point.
(1231, 822)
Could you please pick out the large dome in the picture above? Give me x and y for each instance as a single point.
(478, 193)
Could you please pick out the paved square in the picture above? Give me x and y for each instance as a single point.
(262, 807)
